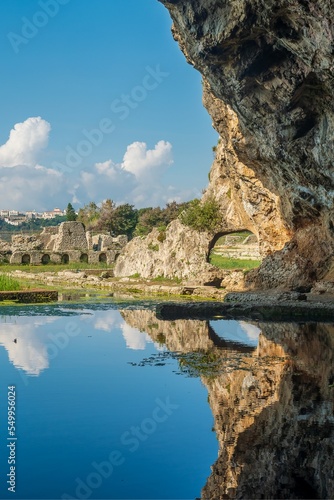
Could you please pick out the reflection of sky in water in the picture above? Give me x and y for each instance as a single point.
(32, 343)
(237, 331)
(88, 394)
(25, 342)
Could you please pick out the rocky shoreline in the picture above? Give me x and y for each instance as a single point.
(104, 281)
(256, 306)
(205, 302)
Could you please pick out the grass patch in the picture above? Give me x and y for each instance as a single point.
(8, 284)
(162, 279)
(54, 268)
(227, 263)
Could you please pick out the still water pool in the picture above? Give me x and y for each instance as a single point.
(113, 403)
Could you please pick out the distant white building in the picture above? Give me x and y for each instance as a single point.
(53, 213)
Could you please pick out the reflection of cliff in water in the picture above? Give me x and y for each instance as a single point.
(273, 406)
(274, 422)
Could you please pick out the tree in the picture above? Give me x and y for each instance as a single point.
(106, 215)
(124, 220)
(70, 213)
(89, 215)
(202, 216)
(148, 218)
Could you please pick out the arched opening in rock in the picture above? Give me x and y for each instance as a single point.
(103, 257)
(25, 259)
(45, 259)
(84, 258)
(65, 259)
(234, 250)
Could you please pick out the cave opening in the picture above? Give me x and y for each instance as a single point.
(234, 250)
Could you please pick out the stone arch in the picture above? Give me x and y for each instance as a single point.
(103, 257)
(84, 257)
(25, 259)
(240, 245)
(45, 259)
(65, 259)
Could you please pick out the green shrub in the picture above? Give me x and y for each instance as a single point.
(202, 216)
(154, 248)
(162, 236)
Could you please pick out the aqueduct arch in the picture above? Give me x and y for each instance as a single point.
(26, 259)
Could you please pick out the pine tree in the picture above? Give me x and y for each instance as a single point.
(70, 213)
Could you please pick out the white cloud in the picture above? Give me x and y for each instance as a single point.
(141, 161)
(136, 180)
(27, 185)
(107, 168)
(25, 142)
(34, 188)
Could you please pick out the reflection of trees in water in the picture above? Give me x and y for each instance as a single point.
(273, 406)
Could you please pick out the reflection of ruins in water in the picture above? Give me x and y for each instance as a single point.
(273, 406)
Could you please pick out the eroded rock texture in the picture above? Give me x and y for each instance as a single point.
(268, 84)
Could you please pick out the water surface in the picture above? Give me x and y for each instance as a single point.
(117, 404)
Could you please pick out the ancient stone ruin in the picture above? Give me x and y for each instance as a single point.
(68, 242)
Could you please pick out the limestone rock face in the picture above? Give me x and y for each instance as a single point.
(268, 85)
(181, 252)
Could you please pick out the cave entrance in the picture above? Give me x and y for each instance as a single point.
(235, 250)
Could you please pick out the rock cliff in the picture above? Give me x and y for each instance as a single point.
(267, 71)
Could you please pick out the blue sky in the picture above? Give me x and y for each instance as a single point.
(97, 101)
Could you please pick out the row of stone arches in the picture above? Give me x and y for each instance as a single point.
(65, 258)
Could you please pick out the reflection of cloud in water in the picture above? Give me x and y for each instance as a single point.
(106, 320)
(237, 331)
(134, 338)
(252, 331)
(29, 351)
